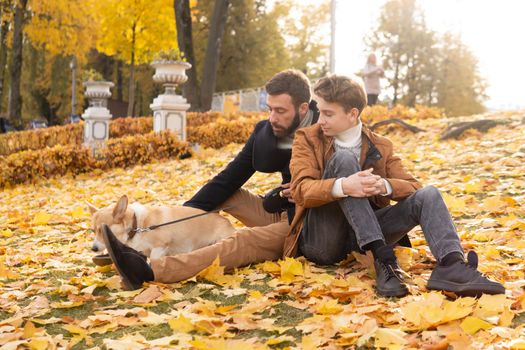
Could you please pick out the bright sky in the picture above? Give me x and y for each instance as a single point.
(493, 29)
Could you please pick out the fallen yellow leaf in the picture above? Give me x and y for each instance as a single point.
(329, 307)
(75, 329)
(29, 330)
(38, 344)
(181, 324)
(6, 233)
(148, 295)
(41, 219)
(66, 304)
(290, 268)
(517, 344)
(389, 338)
(79, 213)
(473, 324)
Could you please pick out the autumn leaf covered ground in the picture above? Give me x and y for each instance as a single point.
(53, 296)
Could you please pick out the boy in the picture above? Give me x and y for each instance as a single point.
(343, 178)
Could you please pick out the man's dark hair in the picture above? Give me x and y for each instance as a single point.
(346, 91)
(292, 82)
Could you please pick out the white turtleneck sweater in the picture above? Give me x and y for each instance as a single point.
(350, 140)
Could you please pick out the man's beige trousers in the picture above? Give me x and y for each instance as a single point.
(261, 240)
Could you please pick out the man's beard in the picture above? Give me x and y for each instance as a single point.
(291, 129)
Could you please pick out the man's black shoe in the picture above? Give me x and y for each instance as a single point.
(131, 265)
(389, 282)
(463, 279)
(102, 260)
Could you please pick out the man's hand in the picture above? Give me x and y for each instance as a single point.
(363, 184)
(286, 192)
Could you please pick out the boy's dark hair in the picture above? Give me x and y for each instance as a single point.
(346, 91)
(292, 82)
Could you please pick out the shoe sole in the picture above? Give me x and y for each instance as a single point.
(102, 260)
(390, 294)
(471, 290)
(125, 281)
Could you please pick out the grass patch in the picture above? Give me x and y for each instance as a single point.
(57, 277)
(283, 345)
(56, 328)
(101, 292)
(287, 315)
(103, 302)
(518, 320)
(157, 331)
(256, 333)
(234, 300)
(55, 297)
(218, 297)
(80, 312)
(261, 287)
(188, 288)
(294, 333)
(4, 315)
(163, 307)
(284, 297)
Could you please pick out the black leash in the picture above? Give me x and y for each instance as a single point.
(136, 229)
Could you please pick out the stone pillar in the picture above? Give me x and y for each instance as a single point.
(169, 112)
(96, 116)
(169, 109)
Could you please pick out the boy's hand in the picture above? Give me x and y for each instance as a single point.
(363, 184)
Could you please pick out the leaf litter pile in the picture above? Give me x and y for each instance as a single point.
(52, 296)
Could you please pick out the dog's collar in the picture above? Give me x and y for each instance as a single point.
(134, 227)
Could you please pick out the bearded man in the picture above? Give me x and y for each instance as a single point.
(267, 150)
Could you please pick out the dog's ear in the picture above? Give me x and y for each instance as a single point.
(120, 208)
(92, 208)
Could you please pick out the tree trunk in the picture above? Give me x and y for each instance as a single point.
(15, 99)
(396, 83)
(185, 41)
(119, 81)
(4, 28)
(211, 60)
(410, 81)
(131, 92)
(138, 100)
(74, 67)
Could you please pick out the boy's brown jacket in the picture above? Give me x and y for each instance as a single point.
(311, 151)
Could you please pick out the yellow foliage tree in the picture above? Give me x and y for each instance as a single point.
(63, 27)
(134, 31)
(57, 30)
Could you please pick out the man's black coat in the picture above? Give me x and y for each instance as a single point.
(260, 153)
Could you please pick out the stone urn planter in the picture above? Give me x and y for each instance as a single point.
(97, 116)
(170, 73)
(169, 109)
(97, 91)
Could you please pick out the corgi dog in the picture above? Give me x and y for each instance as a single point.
(181, 237)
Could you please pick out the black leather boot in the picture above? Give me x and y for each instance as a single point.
(389, 280)
(463, 279)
